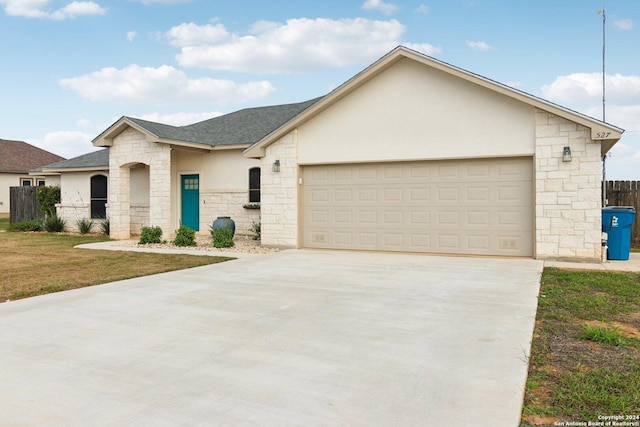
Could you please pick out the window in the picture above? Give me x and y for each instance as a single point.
(26, 182)
(98, 196)
(41, 183)
(254, 185)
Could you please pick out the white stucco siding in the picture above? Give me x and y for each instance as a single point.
(15, 180)
(75, 197)
(224, 186)
(7, 180)
(412, 112)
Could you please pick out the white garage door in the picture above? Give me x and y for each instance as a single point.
(482, 207)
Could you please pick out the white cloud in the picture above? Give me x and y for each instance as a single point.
(67, 144)
(162, 85)
(131, 35)
(623, 162)
(386, 8)
(38, 9)
(623, 24)
(180, 119)
(478, 45)
(425, 48)
(579, 88)
(298, 45)
(423, 8)
(195, 35)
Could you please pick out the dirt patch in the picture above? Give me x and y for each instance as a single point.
(569, 352)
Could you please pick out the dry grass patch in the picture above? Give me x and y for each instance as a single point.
(41, 263)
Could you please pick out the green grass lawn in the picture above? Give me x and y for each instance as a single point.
(585, 357)
(36, 263)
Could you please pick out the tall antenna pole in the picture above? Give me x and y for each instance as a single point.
(604, 157)
(604, 20)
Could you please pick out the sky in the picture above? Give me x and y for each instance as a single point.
(70, 69)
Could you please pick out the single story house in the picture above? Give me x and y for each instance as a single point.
(411, 155)
(17, 158)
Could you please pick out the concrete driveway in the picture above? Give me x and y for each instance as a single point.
(298, 338)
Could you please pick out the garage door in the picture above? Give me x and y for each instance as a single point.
(482, 207)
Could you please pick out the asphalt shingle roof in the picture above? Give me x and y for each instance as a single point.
(94, 159)
(20, 157)
(246, 126)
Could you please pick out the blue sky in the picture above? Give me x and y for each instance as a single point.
(71, 68)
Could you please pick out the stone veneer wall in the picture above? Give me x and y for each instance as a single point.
(73, 212)
(279, 193)
(227, 203)
(139, 215)
(129, 148)
(568, 201)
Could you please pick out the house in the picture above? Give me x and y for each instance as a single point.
(17, 158)
(83, 186)
(410, 155)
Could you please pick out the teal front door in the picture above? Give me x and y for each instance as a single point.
(191, 201)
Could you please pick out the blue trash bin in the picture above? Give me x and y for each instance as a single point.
(616, 222)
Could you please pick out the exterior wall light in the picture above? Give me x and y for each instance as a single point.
(566, 154)
(276, 166)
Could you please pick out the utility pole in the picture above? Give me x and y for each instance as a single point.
(604, 158)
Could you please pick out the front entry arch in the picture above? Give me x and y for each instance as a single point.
(190, 212)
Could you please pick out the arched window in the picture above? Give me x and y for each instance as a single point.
(254, 185)
(98, 196)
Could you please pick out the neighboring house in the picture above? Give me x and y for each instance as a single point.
(17, 158)
(83, 186)
(410, 155)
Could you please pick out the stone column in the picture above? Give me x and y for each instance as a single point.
(160, 189)
(119, 202)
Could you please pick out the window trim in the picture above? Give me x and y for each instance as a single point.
(98, 199)
(254, 191)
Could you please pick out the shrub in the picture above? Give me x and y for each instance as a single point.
(34, 225)
(185, 237)
(105, 227)
(222, 238)
(84, 225)
(150, 235)
(54, 224)
(256, 230)
(48, 196)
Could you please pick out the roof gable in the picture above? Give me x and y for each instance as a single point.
(601, 132)
(20, 157)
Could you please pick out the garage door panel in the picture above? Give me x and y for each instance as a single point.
(482, 207)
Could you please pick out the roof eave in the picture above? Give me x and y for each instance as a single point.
(601, 132)
(105, 139)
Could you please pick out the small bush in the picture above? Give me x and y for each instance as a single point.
(222, 238)
(150, 235)
(54, 224)
(34, 225)
(84, 225)
(47, 197)
(256, 230)
(105, 227)
(185, 237)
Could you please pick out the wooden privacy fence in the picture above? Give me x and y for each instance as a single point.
(625, 193)
(23, 204)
